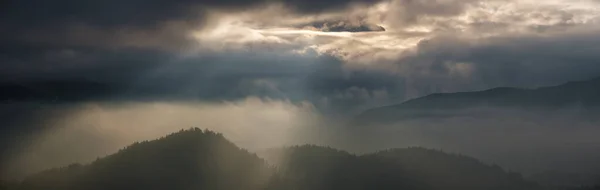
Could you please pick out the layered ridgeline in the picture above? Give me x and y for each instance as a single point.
(321, 168)
(196, 159)
(580, 95)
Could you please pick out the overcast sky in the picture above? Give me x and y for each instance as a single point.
(347, 54)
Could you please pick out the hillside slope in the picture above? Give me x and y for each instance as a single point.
(192, 159)
(314, 167)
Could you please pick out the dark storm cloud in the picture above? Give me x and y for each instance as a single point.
(29, 62)
(344, 26)
(129, 23)
(104, 13)
(75, 75)
(524, 61)
(443, 64)
(449, 63)
(117, 13)
(316, 6)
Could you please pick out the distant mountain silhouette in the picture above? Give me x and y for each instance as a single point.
(196, 159)
(580, 94)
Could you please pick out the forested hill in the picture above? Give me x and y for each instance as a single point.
(197, 159)
(191, 159)
(408, 168)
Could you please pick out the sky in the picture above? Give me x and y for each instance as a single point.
(344, 55)
(204, 58)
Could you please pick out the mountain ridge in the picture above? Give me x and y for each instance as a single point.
(582, 94)
(192, 159)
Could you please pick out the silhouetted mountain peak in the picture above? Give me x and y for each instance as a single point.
(189, 159)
